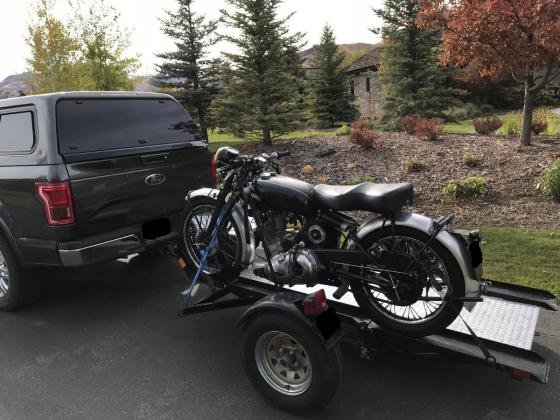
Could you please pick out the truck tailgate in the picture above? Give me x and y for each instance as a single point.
(124, 191)
(129, 160)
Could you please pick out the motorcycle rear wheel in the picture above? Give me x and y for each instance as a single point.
(422, 317)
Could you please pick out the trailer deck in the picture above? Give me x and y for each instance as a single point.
(505, 328)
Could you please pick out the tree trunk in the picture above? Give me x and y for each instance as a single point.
(267, 137)
(525, 138)
(203, 127)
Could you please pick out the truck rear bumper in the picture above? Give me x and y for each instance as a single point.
(103, 251)
(90, 250)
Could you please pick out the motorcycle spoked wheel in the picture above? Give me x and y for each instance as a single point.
(420, 318)
(224, 262)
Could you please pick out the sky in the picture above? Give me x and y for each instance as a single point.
(350, 19)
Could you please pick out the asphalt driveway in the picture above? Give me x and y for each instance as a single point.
(105, 342)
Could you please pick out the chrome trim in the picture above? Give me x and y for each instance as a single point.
(237, 214)
(445, 237)
(112, 249)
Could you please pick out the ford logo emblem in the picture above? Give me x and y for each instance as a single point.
(155, 179)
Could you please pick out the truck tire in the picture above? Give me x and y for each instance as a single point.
(289, 363)
(18, 286)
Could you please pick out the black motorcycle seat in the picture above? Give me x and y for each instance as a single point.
(378, 198)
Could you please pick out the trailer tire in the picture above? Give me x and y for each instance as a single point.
(304, 347)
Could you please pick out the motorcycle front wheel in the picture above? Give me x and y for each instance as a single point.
(224, 261)
(439, 280)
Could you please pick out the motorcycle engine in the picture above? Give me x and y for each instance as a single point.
(297, 266)
(292, 262)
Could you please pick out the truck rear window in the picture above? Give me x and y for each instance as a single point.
(96, 125)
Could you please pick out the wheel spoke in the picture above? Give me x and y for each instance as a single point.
(429, 265)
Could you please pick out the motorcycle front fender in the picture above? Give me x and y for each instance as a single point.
(450, 240)
(248, 245)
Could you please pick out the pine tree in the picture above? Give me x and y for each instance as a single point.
(188, 72)
(331, 101)
(411, 76)
(263, 96)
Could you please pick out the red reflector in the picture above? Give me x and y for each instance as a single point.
(521, 374)
(214, 170)
(315, 304)
(56, 198)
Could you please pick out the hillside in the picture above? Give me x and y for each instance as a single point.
(13, 86)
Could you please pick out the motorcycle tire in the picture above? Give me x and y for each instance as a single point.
(446, 314)
(214, 277)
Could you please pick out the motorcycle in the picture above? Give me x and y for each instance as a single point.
(407, 272)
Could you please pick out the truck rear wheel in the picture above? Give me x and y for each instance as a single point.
(18, 287)
(289, 363)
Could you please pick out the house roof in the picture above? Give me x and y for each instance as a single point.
(367, 61)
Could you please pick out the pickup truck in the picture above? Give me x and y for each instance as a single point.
(88, 177)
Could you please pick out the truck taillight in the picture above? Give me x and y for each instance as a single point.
(214, 170)
(56, 198)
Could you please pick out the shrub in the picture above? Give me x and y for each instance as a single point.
(467, 187)
(343, 131)
(307, 170)
(464, 112)
(409, 122)
(325, 152)
(543, 118)
(538, 127)
(487, 125)
(487, 109)
(355, 180)
(429, 128)
(363, 135)
(414, 165)
(471, 160)
(550, 181)
(511, 123)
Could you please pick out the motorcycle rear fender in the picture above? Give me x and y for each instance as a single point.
(447, 237)
(237, 214)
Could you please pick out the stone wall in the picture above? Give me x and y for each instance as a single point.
(368, 103)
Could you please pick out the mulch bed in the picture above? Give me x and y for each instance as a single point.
(512, 172)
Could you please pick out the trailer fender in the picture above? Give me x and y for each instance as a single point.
(448, 238)
(325, 325)
(238, 218)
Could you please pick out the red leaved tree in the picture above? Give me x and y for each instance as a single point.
(491, 37)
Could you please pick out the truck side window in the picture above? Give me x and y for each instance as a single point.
(16, 132)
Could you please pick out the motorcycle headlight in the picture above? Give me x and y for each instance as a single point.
(224, 155)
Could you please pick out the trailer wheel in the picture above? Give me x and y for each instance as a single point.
(289, 363)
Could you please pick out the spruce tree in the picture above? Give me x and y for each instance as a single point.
(410, 74)
(331, 100)
(263, 97)
(187, 72)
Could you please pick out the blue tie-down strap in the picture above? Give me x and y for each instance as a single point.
(204, 254)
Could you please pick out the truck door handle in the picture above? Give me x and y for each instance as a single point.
(153, 159)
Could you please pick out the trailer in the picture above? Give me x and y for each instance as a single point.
(290, 335)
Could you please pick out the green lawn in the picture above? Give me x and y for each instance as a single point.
(218, 140)
(523, 256)
(460, 127)
(467, 126)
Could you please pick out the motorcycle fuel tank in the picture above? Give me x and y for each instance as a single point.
(284, 194)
